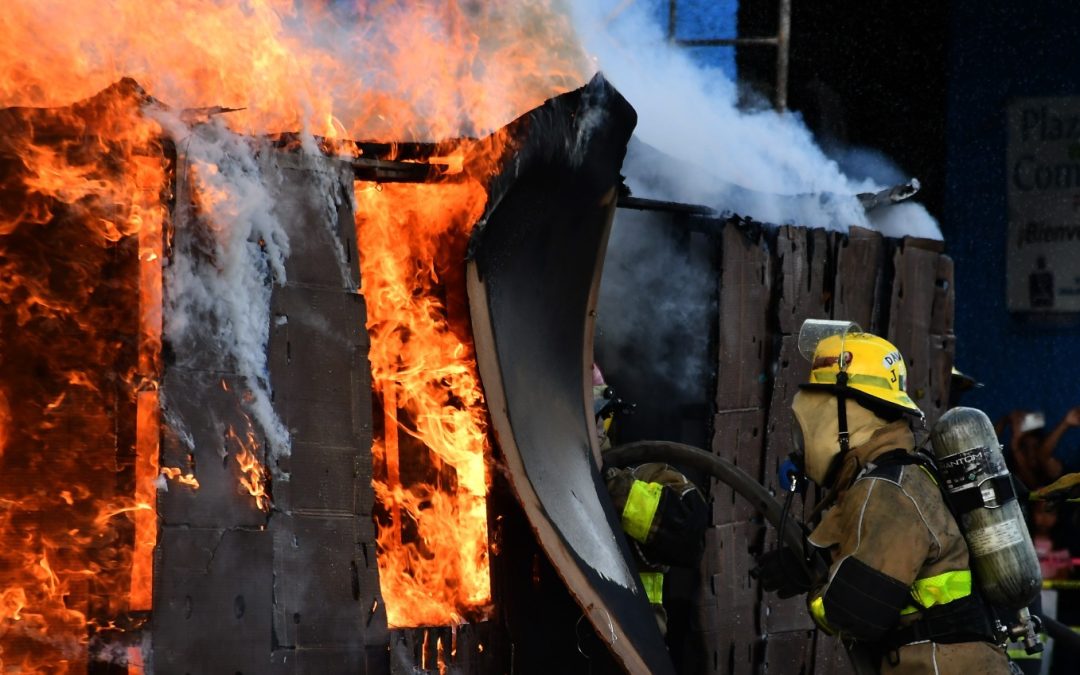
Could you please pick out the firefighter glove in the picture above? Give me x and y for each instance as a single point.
(781, 570)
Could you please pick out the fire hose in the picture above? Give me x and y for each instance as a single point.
(770, 508)
(724, 471)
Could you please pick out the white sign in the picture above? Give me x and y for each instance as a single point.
(1043, 253)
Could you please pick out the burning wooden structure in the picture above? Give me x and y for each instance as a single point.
(171, 501)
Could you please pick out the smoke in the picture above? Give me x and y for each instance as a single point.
(656, 301)
(758, 163)
(225, 259)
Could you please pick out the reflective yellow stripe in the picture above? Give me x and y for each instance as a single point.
(817, 613)
(940, 589)
(654, 586)
(828, 377)
(641, 503)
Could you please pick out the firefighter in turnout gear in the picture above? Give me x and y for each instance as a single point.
(899, 582)
(663, 514)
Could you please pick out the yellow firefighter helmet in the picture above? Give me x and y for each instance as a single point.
(869, 369)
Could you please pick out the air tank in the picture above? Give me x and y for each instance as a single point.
(980, 491)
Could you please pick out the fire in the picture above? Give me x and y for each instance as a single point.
(433, 555)
(82, 222)
(178, 475)
(253, 476)
(432, 448)
(86, 189)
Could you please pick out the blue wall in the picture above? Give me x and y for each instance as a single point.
(704, 20)
(1000, 50)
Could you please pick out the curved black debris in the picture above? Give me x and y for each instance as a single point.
(533, 273)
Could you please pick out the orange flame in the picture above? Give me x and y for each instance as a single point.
(433, 557)
(431, 455)
(253, 475)
(178, 475)
(85, 191)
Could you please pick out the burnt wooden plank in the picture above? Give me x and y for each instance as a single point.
(323, 597)
(743, 338)
(315, 571)
(198, 409)
(791, 652)
(791, 371)
(913, 294)
(802, 255)
(858, 277)
(726, 615)
(464, 649)
(212, 607)
(944, 309)
(830, 657)
(314, 204)
(942, 356)
(739, 436)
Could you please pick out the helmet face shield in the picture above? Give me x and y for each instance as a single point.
(813, 331)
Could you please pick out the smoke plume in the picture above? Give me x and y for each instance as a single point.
(699, 147)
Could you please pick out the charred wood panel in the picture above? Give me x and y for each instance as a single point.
(739, 437)
(312, 555)
(802, 260)
(910, 316)
(944, 310)
(790, 652)
(729, 599)
(743, 338)
(858, 277)
(804, 287)
(216, 578)
(830, 657)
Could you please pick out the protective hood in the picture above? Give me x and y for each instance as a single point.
(816, 414)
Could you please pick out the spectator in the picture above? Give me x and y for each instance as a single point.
(1054, 464)
(1054, 559)
(1029, 452)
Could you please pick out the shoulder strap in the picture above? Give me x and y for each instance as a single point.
(889, 466)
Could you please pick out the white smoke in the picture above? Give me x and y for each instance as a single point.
(718, 155)
(219, 277)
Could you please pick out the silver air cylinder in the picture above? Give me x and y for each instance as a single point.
(975, 477)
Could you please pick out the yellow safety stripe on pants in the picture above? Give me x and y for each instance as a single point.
(641, 503)
(654, 586)
(940, 589)
(817, 613)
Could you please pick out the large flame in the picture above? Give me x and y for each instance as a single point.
(430, 457)
(80, 231)
(83, 237)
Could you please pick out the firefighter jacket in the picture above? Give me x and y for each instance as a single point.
(664, 515)
(896, 552)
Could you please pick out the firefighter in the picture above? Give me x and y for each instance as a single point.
(663, 514)
(899, 582)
